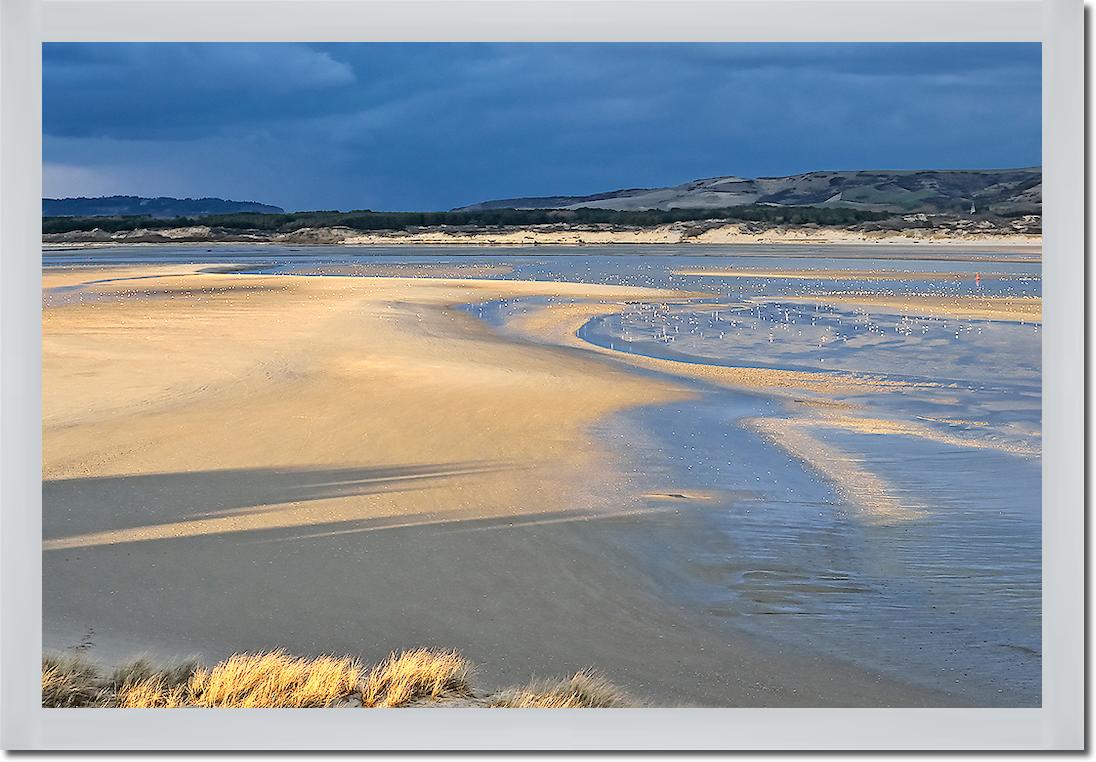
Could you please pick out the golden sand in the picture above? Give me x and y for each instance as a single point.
(677, 233)
(304, 380)
(1004, 308)
(830, 274)
(886, 426)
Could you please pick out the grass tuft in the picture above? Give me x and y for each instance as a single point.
(274, 679)
(139, 685)
(586, 689)
(140, 670)
(151, 693)
(416, 675)
(70, 681)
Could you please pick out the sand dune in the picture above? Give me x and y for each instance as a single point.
(679, 233)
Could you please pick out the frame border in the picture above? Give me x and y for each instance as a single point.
(1058, 24)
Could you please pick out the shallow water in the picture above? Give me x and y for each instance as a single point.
(948, 596)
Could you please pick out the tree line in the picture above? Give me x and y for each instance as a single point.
(368, 220)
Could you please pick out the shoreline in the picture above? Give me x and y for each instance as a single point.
(1020, 244)
(676, 235)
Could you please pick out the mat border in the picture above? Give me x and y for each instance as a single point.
(1058, 24)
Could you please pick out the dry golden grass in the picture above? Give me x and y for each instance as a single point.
(272, 679)
(276, 679)
(587, 690)
(151, 693)
(139, 685)
(416, 675)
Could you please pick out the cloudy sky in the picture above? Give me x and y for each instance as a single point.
(433, 126)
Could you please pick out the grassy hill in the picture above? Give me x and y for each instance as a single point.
(1005, 192)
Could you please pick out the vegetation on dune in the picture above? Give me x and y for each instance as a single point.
(416, 675)
(71, 682)
(584, 689)
(275, 679)
(367, 220)
(141, 685)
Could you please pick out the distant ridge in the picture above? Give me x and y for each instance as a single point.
(163, 207)
(1000, 191)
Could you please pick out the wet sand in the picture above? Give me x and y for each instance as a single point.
(355, 465)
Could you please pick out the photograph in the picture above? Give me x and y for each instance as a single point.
(542, 374)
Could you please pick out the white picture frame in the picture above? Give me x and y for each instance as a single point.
(1057, 24)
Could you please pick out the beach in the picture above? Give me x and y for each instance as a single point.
(349, 461)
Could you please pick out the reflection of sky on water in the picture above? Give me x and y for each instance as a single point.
(988, 373)
(951, 599)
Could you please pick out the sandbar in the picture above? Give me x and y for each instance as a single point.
(841, 275)
(962, 307)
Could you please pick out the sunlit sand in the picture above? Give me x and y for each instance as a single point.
(212, 377)
(843, 275)
(1018, 310)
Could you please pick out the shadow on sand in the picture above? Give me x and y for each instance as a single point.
(108, 503)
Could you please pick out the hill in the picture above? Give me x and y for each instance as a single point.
(1005, 192)
(163, 207)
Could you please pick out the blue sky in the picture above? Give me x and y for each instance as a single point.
(432, 125)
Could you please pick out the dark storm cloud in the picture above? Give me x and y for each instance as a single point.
(437, 125)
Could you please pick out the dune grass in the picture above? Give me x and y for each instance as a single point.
(140, 685)
(70, 681)
(588, 690)
(274, 679)
(416, 675)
